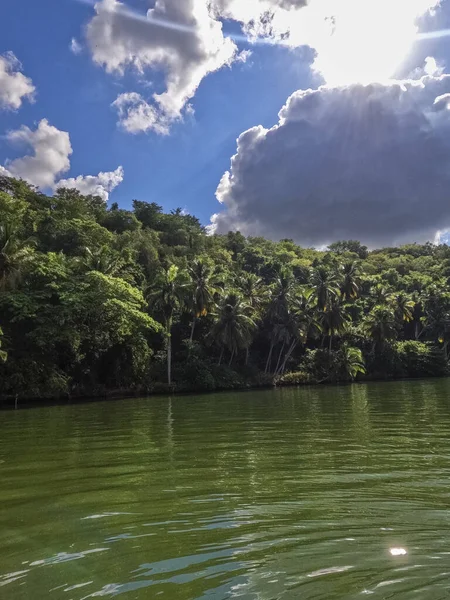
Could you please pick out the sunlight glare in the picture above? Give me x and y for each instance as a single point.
(398, 552)
(358, 41)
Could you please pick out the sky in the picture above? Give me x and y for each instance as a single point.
(314, 120)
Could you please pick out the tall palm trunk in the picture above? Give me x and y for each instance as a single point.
(279, 357)
(417, 330)
(331, 343)
(169, 360)
(169, 351)
(269, 358)
(194, 321)
(247, 354)
(221, 356)
(287, 357)
(231, 359)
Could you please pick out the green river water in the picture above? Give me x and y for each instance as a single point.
(310, 493)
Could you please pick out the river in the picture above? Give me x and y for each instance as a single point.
(312, 493)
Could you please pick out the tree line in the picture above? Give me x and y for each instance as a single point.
(97, 300)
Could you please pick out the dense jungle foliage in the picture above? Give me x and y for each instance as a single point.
(97, 300)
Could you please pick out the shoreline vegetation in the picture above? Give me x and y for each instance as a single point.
(106, 302)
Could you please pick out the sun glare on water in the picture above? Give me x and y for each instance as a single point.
(360, 41)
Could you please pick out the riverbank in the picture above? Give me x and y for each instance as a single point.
(264, 382)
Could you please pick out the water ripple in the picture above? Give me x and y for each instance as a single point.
(315, 493)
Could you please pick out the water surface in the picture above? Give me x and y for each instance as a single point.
(310, 493)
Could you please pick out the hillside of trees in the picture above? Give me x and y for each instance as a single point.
(97, 300)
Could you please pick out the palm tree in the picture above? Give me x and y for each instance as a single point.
(165, 296)
(303, 324)
(103, 260)
(254, 293)
(202, 291)
(282, 333)
(351, 362)
(350, 282)
(417, 313)
(403, 307)
(380, 325)
(334, 321)
(282, 295)
(14, 253)
(233, 327)
(324, 287)
(380, 294)
(252, 289)
(437, 321)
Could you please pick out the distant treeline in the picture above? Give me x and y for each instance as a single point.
(97, 300)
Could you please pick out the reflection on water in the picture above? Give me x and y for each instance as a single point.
(312, 493)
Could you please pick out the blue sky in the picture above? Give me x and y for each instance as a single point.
(270, 190)
(182, 169)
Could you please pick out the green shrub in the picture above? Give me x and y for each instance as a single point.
(194, 375)
(226, 378)
(298, 378)
(160, 387)
(418, 359)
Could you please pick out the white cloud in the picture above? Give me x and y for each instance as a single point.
(51, 150)
(442, 102)
(355, 40)
(4, 172)
(14, 86)
(96, 185)
(75, 46)
(432, 68)
(50, 154)
(179, 38)
(136, 115)
(353, 162)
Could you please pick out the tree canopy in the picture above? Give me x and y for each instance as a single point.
(96, 300)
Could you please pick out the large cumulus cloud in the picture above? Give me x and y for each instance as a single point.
(367, 162)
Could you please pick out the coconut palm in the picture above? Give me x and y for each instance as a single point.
(202, 291)
(324, 287)
(380, 294)
(303, 324)
(165, 296)
(233, 327)
(350, 285)
(351, 362)
(254, 293)
(417, 313)
(380, 325)
(334, 321)
(403, 307)
(437, 323)
(281, 334)
(282, 292)
(252, 289)
(103, 260)
(278, 317)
